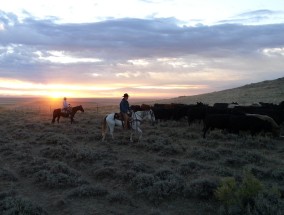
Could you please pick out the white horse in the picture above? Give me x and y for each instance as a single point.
(110, 122)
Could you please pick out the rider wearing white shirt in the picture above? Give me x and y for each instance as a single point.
(66, 107)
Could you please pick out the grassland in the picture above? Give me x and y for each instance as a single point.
(65, 169)
(271, 91)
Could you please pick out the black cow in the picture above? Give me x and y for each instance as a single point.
(135, 108)
(171, 111)
(180, 111)
(281, 105)
(199, 112)
(162, 113)
(276, 112)
(235, 123)
(221, 105)
(196, 112)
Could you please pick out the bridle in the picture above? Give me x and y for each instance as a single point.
(144, 113)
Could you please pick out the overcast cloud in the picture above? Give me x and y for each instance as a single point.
(139, 54)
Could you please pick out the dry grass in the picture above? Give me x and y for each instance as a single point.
(266, 91)
(65, 169)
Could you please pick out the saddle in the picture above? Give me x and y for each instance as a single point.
(65, 111)
(119, 116)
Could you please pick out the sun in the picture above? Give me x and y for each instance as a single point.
(56, 95)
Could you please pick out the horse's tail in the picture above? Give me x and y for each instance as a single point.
(104, 125)
(55, 114)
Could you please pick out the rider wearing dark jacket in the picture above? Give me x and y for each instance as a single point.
(124, 108)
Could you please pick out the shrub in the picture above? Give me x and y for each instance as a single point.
(234, 161)
(105, 173)
(164, 189)
(248, 197)
(52, 174)
(226, 193)
(259, 142)
(204, 154)
(4, 138)
(201, 188)
(143, 181)
(140, 167)
(7, 149)
(164, 174)
(254, 157)
(17, 205)
(260, 172)
(128, 175)
(88, 191)
(162, 145)
(278, 174)
(249, 188)
(269, 203)
(136, 166)
(162, 185)
(223, 171)
(190, 167)
(56, 152)
(171, 149)
(120, 197)
(89, 155)
(57, 180)
(7, 175)
(54, 139)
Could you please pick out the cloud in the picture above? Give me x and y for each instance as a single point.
(139, 52)
(256, 17)
(139, 38)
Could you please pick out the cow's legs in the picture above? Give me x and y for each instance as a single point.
(205, 129)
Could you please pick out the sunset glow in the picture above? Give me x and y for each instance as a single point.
(149, 49)
(20, 88)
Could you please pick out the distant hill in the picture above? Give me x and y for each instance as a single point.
(271, 91)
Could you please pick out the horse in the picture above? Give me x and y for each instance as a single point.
(109, 122)
(57, 113)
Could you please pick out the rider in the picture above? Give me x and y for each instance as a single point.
(124, 108)
(66, 107)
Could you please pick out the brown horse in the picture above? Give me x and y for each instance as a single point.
(57, 113)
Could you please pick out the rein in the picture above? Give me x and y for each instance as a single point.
(144, 113)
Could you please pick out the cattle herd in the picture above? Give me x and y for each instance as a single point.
(256, 118)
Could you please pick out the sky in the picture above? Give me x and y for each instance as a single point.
(147, 48)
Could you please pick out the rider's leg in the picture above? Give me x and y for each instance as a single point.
(125, 118)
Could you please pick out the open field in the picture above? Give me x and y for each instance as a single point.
(65, 169)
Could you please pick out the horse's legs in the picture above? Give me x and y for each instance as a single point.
(58, 119)
(111, 130)
(103, 136)
(140, 134)
(104, 133)
(137, 129)
(205, 129)
(131, 139)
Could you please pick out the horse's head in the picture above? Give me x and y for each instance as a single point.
(149, 115)
(81, 108)
(153, 118)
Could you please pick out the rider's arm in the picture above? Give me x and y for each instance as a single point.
(123, 107)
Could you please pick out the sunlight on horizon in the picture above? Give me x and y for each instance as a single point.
(18, 88)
